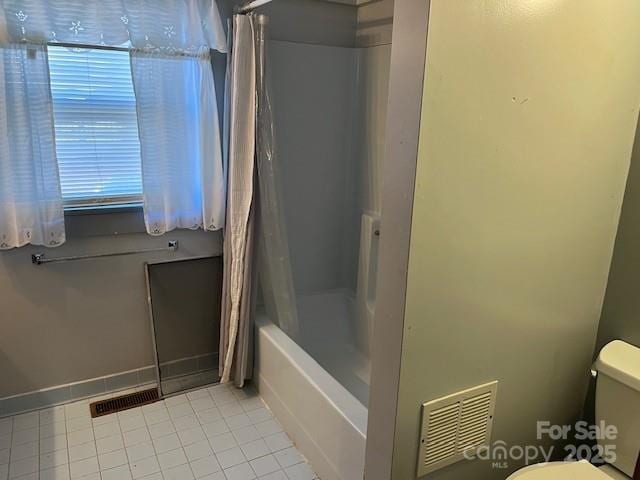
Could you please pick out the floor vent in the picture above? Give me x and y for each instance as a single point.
(125, 402)
(455, 427)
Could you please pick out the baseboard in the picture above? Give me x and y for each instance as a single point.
(302, 439)
(189, 365)
(73, 392)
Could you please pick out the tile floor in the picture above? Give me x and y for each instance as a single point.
(215, 433)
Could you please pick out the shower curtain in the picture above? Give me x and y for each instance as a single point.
(255, 236)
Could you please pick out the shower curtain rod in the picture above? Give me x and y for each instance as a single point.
(250, 6)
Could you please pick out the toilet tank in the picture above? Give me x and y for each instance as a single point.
(618, 401)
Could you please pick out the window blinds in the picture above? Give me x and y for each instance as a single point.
(96, 126)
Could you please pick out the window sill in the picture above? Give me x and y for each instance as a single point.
(96, 220)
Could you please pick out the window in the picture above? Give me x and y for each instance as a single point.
(96, 126)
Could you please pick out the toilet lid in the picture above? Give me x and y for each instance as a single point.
(561, 471)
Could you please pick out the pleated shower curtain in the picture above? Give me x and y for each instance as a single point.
(237, 290)
(255, 238)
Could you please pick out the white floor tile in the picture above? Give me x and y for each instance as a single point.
(259, 415)
(144, 467)
(156, 416)
(214, 476)
(81, 452)
(140, 451)
(153, 407)
(246, 434)
(230, 409)
(78, 423)
(268, 428)
(182, 472)
(84, 467)
(186, 422)
(204, 403)
(166, 443)
(181, 410)
(277, 442)
(301, 471)
(198, 450)
(288, 457)
(24, 436)
(78, 409)
(57, 473)
(6, 426)
(91, 476)
(177, 400)
(25, 450)
(196, 394)
(240, 472)
(255, 449)
(279, 475)
(118, 473)
(223, 442)
(133, 422)
(136, 436)
(161, 429)
(52, 415)
(110, 444)
(113, 459)
(191, 435)
(215, 428)
(80, 437)
(53, 429)
(251, 404)
(25, 421)
(154, 476)
(104, 420)
(265, 465)
(238, 421)
(231, 457)
(106, 430)
(23, 467)
(54, 459)
(51, 444)
(224, 398)
(215, 433)
(209, 415)
(205, 466)
(172, 459)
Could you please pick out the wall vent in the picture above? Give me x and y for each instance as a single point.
(456, 424)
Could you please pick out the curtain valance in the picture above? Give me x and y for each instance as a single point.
(165, 26)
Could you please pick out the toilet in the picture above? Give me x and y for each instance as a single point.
(618, 404)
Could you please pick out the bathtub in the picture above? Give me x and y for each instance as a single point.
(326, 422)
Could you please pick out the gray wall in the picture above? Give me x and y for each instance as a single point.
(313, 96)
(306, 21)
(67, 322)
(621, 311)
(70, 322)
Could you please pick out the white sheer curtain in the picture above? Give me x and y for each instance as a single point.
(31, 208)
(182, 170)
(170, 42)
(151, 25)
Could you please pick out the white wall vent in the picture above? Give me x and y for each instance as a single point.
(456, 424)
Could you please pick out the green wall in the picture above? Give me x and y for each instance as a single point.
(529, 112)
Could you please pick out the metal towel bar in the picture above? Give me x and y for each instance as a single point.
(40, 259)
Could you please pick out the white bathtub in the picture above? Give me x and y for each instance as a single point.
(326, 422)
